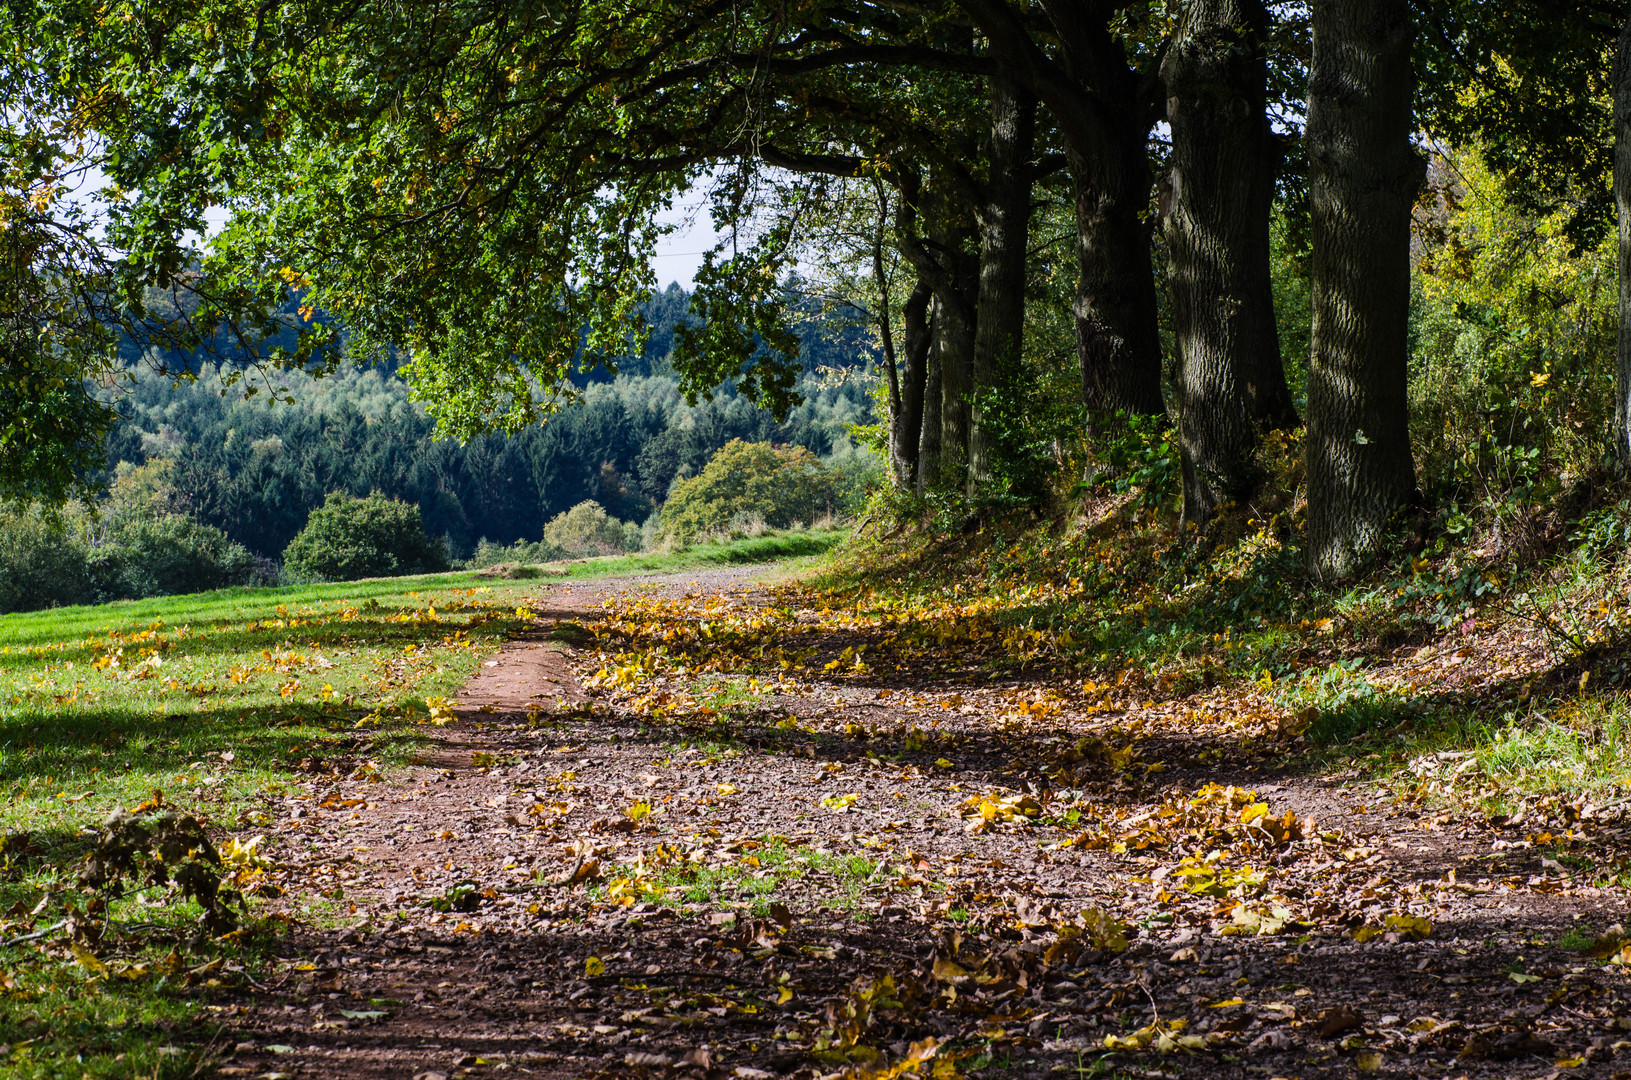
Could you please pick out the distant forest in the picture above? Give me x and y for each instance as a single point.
(256, 472)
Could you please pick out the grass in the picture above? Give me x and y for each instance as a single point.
(756, 879)
(742, 551)
(213, 700)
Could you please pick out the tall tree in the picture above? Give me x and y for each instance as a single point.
(1217, 200)
(1364, 175)
(1005, 220)
(1105, 107)
(1622, 207)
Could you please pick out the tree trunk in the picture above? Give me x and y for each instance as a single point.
(928, 455)
(1622, 206)
(1364, 175)
(1215, 207)
(1116, 330)
(956, 340)
(1103, 118)
(897, 462)
(1005, 222)
(906, 430)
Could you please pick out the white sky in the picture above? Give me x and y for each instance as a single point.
(679, 255)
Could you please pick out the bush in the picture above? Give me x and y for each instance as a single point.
(781, 485)
(587, 529)
(41, 563)
(348, 538)
(856, 472)
(161, 556)
(521, 553)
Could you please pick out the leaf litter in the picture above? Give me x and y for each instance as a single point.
(738, 831)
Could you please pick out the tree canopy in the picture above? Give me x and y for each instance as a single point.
(474, 191)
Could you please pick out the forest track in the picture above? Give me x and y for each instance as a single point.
(508, 906)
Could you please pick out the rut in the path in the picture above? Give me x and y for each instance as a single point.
(793, 893)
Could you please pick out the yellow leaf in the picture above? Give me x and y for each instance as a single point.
(727, 789)
(89, 961)
(784, 996)
(1226, 1003)
(942, 763)
(594, 966)
(949, 971)
(1365, 933)
(1409, 925)
(243, 856)
(839, 804)
(1569, 1063)
(1368, 1061)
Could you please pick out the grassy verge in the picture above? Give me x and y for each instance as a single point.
(1455, 681)
(742, 551)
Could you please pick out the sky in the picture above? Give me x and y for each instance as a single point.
(679, 254)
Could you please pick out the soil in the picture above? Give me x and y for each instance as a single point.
(487, 910)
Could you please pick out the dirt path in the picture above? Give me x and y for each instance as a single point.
(712, 873)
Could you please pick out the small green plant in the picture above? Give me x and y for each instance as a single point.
(1139, 454)
(464, 896)
(1577, 939)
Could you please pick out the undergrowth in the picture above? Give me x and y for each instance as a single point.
(1443, 648)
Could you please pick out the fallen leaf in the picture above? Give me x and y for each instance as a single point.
(1338, 1020)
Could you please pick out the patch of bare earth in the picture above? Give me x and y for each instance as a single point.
(569, 885)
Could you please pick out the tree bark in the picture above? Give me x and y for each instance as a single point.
(928, 455)
(1005, 221)
(1103, 117)
(1215, 207)
(1364, 175)
(1116, 330)
(954, 276)
(897, 462)
(906, 431)
(955, 335)
(1622, 207)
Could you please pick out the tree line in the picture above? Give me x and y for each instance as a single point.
(1020, 195)
(256, 472)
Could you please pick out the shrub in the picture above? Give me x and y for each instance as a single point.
(348, 538)
(522, 553)
(781, 485)
(41, 563)
(172, 553)
(587, 529)
(856, 471)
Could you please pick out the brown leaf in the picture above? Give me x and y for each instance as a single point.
(1338, 1020)
(637, 1058)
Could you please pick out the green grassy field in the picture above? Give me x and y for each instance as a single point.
(211, 704)
(742, 551)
